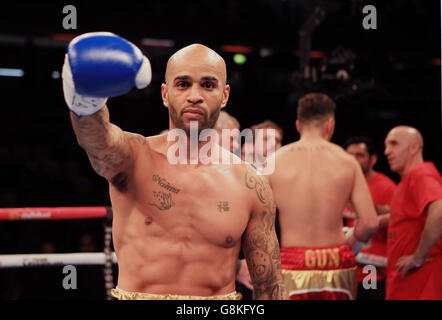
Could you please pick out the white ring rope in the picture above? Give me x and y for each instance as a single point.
(98, 258)
(371, 259)
(57, 259)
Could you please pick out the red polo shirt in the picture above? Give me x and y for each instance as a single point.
(417, 189)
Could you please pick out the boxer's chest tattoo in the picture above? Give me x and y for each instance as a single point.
(223, 206)
(163, 183)
(163, 200)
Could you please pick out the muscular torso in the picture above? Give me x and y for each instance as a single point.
(177, 228)
(312, 184)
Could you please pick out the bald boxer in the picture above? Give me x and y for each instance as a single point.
(312, 182)
(414, 247)
(177, 229)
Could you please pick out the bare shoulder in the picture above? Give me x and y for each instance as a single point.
(347, 158)
(282, 155)
(156, 141)
(135, 139)
(258, 185)
(285, 150)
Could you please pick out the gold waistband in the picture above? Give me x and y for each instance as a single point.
(125, 295)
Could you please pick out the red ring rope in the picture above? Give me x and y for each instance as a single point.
(60, 213)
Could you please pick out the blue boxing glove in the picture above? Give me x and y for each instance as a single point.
(100, 65)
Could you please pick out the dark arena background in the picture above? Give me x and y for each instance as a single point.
(379, 78)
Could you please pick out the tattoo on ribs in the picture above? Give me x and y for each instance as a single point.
(164, 199)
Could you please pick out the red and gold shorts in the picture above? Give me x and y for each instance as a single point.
(323, 273)
(126, 295)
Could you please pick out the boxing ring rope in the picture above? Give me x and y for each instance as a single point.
(60, 213)
(106, 258)
(53, 259)
(98, 258)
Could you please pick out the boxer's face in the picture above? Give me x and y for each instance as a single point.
(195, 90)
(359, 151)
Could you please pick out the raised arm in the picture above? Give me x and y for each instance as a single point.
(260, 244)
(108, 148)
(97, 66)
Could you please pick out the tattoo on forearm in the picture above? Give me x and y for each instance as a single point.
(164, 200)
(278, 292)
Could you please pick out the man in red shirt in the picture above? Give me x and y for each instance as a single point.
(414, 247)
(382, 189)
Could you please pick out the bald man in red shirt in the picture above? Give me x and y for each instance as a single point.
(414, 246)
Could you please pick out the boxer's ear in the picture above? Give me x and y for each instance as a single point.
(226, 93)
(164, 95)
(329, 128)
(298, 126)
(415, 147)
(331, 125)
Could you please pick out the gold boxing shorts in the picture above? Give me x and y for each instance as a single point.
(322, 273)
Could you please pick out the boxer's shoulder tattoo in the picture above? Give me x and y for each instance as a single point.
(261, 187)
(163, 183)
(163, 199)
(254, 182)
